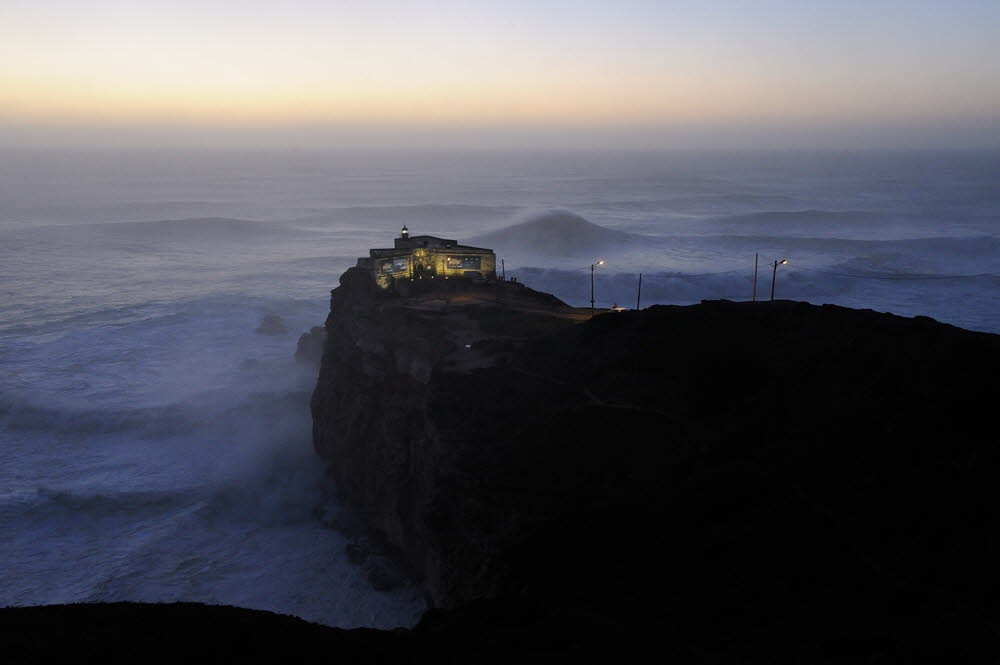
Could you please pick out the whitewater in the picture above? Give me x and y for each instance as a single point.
(155, 447)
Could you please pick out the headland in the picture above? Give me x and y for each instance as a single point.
(726, 482)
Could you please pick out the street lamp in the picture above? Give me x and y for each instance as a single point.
(592, 266)
(774, 274)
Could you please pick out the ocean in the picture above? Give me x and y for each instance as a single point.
(155, 447)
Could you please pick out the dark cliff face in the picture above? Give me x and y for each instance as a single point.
(772, 482)
(388, 363)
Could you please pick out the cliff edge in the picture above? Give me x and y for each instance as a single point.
(737, 482)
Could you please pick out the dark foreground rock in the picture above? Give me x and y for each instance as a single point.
(731, 482)
(150, 632)
(492, 631)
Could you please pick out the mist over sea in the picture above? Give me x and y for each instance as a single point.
(154, 447)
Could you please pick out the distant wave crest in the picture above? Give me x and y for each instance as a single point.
(554, 232)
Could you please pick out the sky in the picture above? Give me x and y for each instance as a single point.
(398, 72)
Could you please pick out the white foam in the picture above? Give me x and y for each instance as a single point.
(145, 460)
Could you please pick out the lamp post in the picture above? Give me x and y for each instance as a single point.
(592, 266)
(774, 273)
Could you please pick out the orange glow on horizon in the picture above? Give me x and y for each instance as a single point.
(580, 98)
(473, 64)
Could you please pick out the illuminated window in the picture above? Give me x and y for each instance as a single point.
(394, 265)
(464, 262)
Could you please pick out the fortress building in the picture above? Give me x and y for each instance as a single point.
(428, 257)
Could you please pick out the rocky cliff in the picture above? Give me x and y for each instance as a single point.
(737, 482)
(390, 362)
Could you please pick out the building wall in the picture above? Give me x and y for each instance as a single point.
(433, 262)
(457, 263)
(392, 267)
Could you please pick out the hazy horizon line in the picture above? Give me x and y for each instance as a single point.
(973, 134)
